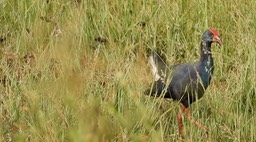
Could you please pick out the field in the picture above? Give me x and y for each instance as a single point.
(74, 70)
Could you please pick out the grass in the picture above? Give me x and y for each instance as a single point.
(75, 70)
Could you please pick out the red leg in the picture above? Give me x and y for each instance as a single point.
(180, 123)
(179, 117)
(198, 124)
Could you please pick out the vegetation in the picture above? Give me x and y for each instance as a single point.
(74, 70)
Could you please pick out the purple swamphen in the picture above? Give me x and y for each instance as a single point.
(185, 82)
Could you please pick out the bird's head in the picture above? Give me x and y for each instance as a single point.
(211, 36)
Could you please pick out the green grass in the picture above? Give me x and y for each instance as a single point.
(65, 86)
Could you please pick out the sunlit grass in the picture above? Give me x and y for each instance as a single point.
(76, 70)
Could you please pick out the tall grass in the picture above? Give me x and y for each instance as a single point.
(76, 70)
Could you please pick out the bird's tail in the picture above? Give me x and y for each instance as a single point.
(158, 66)
(159, 69)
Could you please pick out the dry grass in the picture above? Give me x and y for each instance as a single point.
(76, 70)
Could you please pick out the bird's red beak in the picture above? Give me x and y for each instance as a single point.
(217, 40)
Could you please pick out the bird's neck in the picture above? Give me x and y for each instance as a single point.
(206, 50)
(206, 63)
(206, 54)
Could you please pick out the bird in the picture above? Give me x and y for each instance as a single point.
(185, 82)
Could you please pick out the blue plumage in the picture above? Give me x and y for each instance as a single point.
(185, 82)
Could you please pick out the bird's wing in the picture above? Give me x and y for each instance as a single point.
(185, 78)
(159, 67)
(185, 73)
